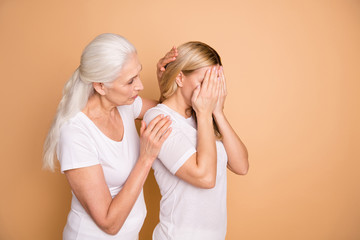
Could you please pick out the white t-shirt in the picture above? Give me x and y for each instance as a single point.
(187, 212)
(82, 144)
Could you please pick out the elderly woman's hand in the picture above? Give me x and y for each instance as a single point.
(153, 136)
(168, 58)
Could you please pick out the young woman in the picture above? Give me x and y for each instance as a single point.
(96, 142)
(191, 166)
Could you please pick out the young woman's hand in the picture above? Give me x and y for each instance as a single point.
(168, 58)
(222, 93)
(205, 97)
(153, 136)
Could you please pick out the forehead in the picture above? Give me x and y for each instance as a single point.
(131, 67)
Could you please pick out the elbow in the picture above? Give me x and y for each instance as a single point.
(208, 181)
(208, 185)
(110, 228)
(243, 170)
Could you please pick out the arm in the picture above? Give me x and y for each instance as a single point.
(235, 148)
(89, 186)
(200, 169)
(160, 69)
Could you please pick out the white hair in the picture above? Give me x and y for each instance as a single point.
(101, 61)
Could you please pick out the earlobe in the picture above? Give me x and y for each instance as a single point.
(99, 88)
(180, 79)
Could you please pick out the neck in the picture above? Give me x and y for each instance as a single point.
(178, 104)
(98, 106)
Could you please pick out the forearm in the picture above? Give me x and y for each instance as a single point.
(235, 148)
(90, 187)
(121, 205)
(206, 148)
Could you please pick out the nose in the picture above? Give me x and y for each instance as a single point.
(139, 86)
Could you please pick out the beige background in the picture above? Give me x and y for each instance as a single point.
(293, 71)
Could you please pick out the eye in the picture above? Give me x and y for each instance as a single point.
(132, 80)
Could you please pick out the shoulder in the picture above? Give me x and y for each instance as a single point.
(76, 147)
(160, 109)
(155, 111)
(75, 128)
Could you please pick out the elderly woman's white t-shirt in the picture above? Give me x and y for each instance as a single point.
(82, 144)
(187, 212)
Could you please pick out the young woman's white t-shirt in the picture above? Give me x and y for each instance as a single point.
(187, 212)
(82, 144)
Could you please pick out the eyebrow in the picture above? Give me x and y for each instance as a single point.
(138, 72)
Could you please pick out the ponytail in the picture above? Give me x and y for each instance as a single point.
(75, 96)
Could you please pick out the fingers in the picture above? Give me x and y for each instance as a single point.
(196, 93)
(205, 83)
(153, 123)
(212, 84)
(217, 83)
(172, 53)
(153, 136)
(163, 129)
(218, 87)
(165, 135)
(142, 128)
(158, 126)
(168, 58)
(223, 81)
(213, 77)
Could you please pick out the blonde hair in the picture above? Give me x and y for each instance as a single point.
(191, 56)
(101, 61)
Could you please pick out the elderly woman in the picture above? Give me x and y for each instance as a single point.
(95, 139)
(191, 166)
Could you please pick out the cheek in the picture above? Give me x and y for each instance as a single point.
(196, 82)
(122, 92)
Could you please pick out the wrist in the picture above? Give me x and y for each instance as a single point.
(146, 161)
(218, 114)
(203, 115)
(204, 120)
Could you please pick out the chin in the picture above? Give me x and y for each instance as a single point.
(131, 100)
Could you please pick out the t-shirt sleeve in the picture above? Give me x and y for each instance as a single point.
(75, 149)
(176, 149)
(137, 106)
